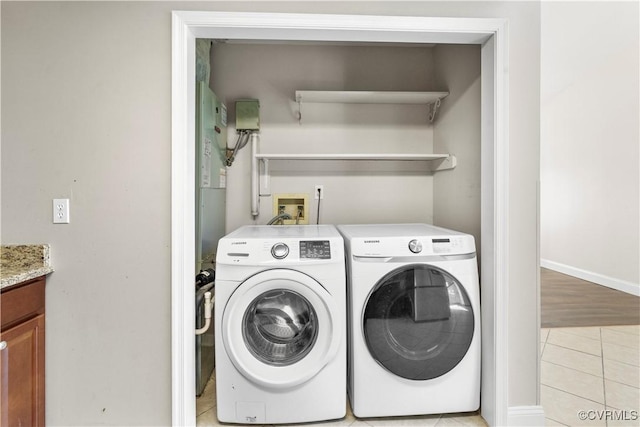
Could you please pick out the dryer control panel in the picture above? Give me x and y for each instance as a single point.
(449, 245)
(412, 246)
(405, 240)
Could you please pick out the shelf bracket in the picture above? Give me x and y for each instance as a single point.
(449, 162)
(434, 109)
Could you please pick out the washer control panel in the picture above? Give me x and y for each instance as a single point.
(280, 250)
(309, 249)
(294, 245)
(315, 249)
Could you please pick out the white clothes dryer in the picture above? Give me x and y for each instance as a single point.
(414, 320)
(280, 325)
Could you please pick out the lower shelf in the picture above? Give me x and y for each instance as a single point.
(315, 156)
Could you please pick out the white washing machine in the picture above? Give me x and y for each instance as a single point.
(414, 320)
(280, 325)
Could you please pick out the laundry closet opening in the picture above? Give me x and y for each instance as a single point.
(355, 191)
(335, 117)
(487, 38)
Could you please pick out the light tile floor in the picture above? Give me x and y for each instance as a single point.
(592, 372)
(591, 376)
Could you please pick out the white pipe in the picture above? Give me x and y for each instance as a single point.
(255, 196)
(208, 307)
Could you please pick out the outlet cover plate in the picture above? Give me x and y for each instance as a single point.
(61, 211)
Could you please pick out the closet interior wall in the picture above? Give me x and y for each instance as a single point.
(355, 191)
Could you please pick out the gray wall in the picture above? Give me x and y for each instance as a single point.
(457, 131)
(355, 192)
(590, 128)
(85, 115)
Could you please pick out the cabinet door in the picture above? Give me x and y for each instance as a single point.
(22, 364)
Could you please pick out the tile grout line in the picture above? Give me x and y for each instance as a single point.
(564, 331)
(602, 343)
(618, 382)
(588, 373)
(570, 332)
(625, 341)
(609, 327)
(626, 347)
(603, 377)
(556, 421)
(574, 369)
(573, 349)
(579, 351)
(572, 394)
(604, 388)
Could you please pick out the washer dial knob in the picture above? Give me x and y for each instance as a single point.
(415, 246)
(280, 250)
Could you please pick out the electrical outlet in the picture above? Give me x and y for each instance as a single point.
(319, 189)
(61, 211)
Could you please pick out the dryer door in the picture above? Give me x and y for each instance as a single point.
(418, 322)
(280, 328)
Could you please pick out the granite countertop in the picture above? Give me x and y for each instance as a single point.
(19, 263)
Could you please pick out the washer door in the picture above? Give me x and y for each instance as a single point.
(418, 322)
(280, 328)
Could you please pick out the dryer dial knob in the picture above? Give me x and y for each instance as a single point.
(415, 246)
(280, 250)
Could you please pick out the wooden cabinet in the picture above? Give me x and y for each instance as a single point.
(22, 363)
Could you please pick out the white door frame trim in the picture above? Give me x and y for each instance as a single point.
(491, 34)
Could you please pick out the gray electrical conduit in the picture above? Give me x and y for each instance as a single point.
(241, 142)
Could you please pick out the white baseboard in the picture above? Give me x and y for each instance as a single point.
(600, 279)
(525, 416)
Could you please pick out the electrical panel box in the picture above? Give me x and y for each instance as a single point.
(296, 205)
(248, 114)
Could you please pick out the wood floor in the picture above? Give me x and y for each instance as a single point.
(567, 301)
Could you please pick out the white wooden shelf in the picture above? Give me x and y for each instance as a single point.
(435, 162)
(368, 97)
(261, 175)
(316, 156)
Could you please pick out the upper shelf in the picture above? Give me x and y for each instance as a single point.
(315, 156)
(437, 162)
(368, 97)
